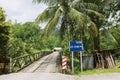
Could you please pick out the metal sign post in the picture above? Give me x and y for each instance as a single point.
(74, 47)
(72, 62)
(81, 61)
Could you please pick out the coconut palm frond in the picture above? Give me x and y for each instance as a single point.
(114, 39)
(46, 15)
(37, 1)
(77, 17)
(99, 2)
(115, 30)
(93, 1)
(80, 5)
(48, 2)
(108, 1)
(115, 33)
(82, 21)
(111, 35)
(53, 22)
(43, 1)
(63, 29)
(91, 6)
(93, 28)
(95, 13)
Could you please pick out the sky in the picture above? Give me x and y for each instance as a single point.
(21, 10)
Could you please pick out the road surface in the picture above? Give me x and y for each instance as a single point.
(46, 69)
(45, 64)
(58, 76)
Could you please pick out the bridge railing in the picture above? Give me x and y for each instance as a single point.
(4, 62)
(16, 64)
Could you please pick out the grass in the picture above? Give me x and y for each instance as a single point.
(98, 71)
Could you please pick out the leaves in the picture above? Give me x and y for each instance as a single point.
(4, 33)
(46, 15)
(83, 17)
(48, 2)
(95, 13)
(79, 5)
(52, 23)
(76, 16)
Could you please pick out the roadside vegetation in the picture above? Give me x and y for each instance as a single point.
(98, 71)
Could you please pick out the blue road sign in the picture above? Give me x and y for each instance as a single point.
(76, 46)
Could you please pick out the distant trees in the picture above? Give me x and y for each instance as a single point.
(4, 33)
(26, 39)
(28, 33)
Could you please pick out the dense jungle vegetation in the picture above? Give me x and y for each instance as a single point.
(95, 22)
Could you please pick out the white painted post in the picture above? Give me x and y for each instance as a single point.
(10, 65)
(72, 63)
(81, 61)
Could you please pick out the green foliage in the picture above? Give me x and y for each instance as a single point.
(4, 33)
(26, 39)
(49, 43)
(65, 45)
(98, 71)
(17, 48)
(64, 12)
(107, 40)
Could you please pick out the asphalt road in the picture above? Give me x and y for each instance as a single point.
(46, 69)
(38, 76)
(58, 76)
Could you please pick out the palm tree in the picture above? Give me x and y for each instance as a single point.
(92, 9)
(62, 12)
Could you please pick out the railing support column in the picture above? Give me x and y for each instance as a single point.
(11, 65)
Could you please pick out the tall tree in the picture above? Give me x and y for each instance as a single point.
(93, 8)
(61, 12)
(4, 33)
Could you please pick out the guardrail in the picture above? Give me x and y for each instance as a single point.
(16, 64)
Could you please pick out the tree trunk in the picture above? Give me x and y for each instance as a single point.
(96, 39)
(68, 29)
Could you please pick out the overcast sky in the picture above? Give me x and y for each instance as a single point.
(21, 10)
